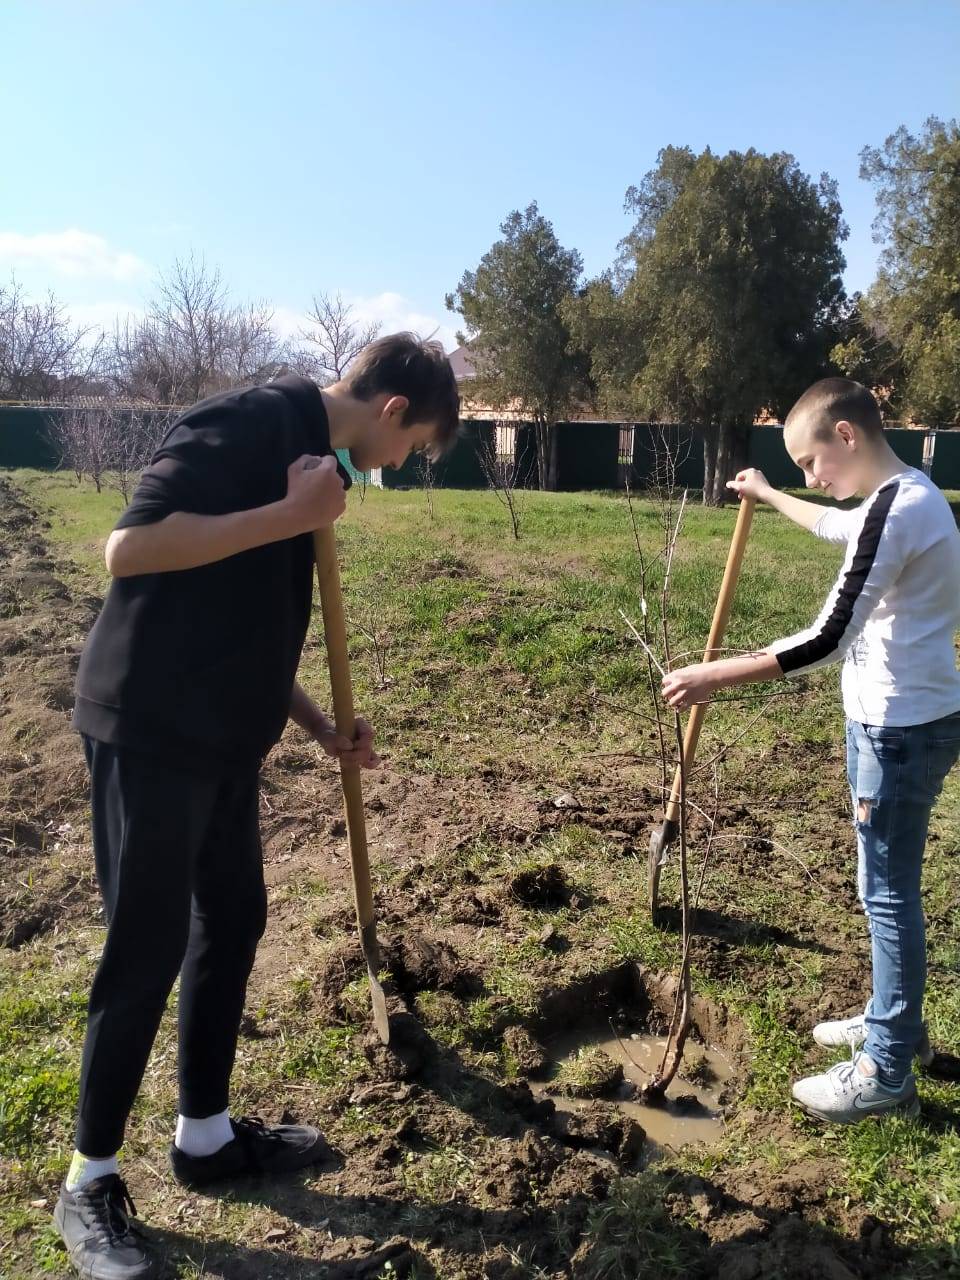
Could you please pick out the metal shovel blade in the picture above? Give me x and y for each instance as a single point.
(661, 838)
(371, 953)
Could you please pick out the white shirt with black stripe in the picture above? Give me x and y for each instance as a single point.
(895, 608)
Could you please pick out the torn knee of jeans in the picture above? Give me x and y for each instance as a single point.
(864, 808)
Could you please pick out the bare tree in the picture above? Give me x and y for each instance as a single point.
(85, 438)
(108, 444)
(497, 453)
(193, 342)
(132, 438)
(41, 353)
(427, 479)
(65, 431)
(335, 336)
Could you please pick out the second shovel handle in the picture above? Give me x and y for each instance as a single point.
(718, 627)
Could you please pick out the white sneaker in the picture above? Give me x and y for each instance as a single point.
(851, 1091)
(853, 1032)
(841, 1032)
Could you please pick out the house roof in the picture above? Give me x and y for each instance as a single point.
(461, 364)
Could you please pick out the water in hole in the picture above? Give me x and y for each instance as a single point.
(670, 1125)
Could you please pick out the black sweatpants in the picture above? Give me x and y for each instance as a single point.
(180, 868)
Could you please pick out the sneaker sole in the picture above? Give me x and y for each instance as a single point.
(910, 1110)
(320, 1153)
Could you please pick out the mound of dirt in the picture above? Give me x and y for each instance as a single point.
(420, 963)
(544, 886)
(409, 1050)
(529, 1055)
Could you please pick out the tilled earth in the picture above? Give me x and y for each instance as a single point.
(443, 1163)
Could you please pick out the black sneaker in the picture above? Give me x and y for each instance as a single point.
(256, 1148)
(102, 1242)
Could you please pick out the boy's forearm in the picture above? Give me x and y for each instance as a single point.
(799, 510)
(185, 540)
(747, 668)
(305, 712)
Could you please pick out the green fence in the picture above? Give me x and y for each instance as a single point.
(946, 459)
(461, 468)
(23, 437)
(665, 453)
(590, 455)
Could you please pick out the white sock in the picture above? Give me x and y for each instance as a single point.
(203, 1137)
(83, 1170)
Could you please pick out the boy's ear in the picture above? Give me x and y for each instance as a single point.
(395, 407)
(847, 432)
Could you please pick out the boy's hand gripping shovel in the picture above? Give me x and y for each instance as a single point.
(663, 836)
(335, 634)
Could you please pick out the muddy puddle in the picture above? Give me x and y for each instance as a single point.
(692, 1111)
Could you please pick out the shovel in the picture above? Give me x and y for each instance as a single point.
(664, 835)
(335, 634)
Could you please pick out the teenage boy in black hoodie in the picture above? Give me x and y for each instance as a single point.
(186, 682)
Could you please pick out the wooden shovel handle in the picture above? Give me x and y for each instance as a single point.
(721, 616)
(335, 632)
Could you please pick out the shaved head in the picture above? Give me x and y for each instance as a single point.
(834, 400)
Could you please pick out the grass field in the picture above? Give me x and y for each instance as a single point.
(498, 675)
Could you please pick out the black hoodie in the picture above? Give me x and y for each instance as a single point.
(198, 665)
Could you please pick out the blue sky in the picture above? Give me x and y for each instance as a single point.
(374, 148)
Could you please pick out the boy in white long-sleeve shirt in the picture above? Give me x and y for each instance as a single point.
(891, 617)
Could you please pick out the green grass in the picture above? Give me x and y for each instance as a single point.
(486, 640)
(513, 658)
(631, 1235)
(325, 1055)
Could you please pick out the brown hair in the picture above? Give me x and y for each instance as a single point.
(404, 365)
(833, 400)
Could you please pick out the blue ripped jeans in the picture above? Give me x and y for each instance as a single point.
(895, 775)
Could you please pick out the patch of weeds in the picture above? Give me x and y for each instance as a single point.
(360, 1121)
(25, 1012)
(777, 1055)
(512, 979)
(942, 1008)
(442, 1013)
(907, 1171)
(588, 1074)
(631, 1234)
(636, 938)
(301, 989)
(329, 1056)
(478, 856)
(48, 1252)
(414, 1272)
(509, 1064)
(436, 1176)
(38, 1091)
(355, 998)
(481, 1017)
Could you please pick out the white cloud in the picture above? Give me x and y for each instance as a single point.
(394, 312)
(102, 315)
(70, 253)
(288, 322)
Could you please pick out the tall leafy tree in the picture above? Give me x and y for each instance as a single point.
(914, 306)
(513, 309)
(724, 301)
